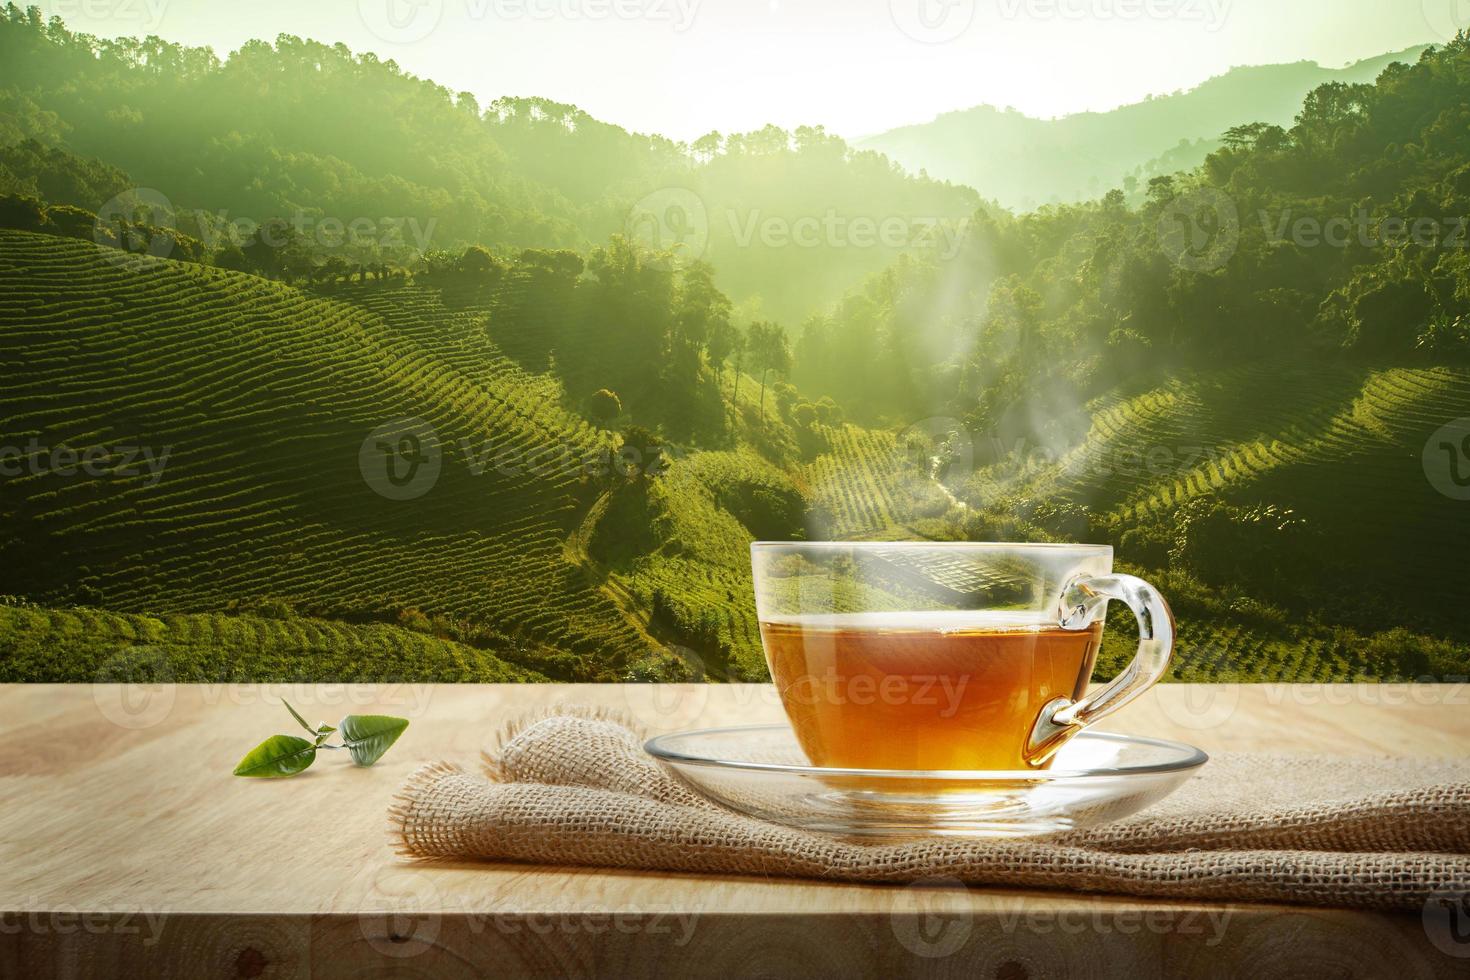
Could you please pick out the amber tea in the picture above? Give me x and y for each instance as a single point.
(947, 655)
(947, 690)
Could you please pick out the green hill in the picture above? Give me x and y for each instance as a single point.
(264, 552)
(85, 645)
(262, 397)
(254, 402)
(1024, 163)
(325, 138)
(1289, 504)
(286, 458)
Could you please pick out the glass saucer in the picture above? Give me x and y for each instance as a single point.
(760, 770)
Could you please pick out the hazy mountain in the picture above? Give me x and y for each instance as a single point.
(1024, 162)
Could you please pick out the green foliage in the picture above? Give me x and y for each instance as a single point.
(1262, 544)
(641, 454)
(477, 265)
(768, 511)
(366, 737)
(1444, 336)
(314, 133)
(269, 498)
(1308, 377)
(625, 526)
(71, 221)
(698, 631)
(1054, 162)
(82, 645)
(25, 213)
(414, 619)
(1301, 485)
(604, 405)
(277, 757)
(768, 351)
(49, 172)
(1035, 315)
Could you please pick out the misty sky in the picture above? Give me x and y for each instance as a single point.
(683, 67)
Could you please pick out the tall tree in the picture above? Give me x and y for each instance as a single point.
(769, 351)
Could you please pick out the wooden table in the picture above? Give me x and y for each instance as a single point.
(128, 849)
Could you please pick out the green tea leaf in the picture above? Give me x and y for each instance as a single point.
(279, 755)
(322, 732)
(297, 716)
(369, 736)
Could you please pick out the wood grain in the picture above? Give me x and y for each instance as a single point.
(127, 849)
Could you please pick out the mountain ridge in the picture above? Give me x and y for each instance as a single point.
(1082, 155)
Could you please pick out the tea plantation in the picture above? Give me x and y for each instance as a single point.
(260, 398)
(227, 523)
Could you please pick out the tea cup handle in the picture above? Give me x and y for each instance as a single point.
(1083, 600)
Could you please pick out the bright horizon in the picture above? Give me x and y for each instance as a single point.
(683, 67)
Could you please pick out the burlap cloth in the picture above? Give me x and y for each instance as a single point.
(574, 787)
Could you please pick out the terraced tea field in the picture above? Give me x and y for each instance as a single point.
(88, 645)
(260, 398)
(703, 562)
(1148, 454)
(870, 487)
(183, 441)
(1339, 447)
